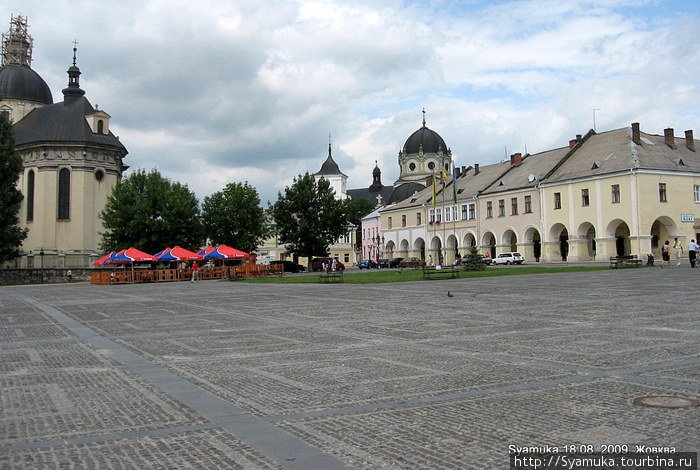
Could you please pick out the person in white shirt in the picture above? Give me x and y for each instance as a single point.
(693, 249)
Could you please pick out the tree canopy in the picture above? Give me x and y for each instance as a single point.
(309, 217)
(151, 212)
(11, 235)
(233, 216)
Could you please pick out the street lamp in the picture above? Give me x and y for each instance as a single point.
(41, 257)
(378, 241)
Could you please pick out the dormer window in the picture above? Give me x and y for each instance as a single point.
(98, 122)
(596, 164)
(678, 161)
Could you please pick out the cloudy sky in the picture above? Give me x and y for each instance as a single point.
(211, 92)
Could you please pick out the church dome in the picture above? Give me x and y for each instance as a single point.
(22, 83)
(427, 138)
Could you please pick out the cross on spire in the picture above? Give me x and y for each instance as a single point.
(75, 49)
(423, 117)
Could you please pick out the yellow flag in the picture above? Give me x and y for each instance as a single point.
(443, 175)
(435, 190)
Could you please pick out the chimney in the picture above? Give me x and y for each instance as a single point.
(512, 159)
(572, 143)
(464, 168)
(476, 168)
(457, 172)
(635, 134)
(668, 137)
(689, 142)
(579, 137)
(517, 159)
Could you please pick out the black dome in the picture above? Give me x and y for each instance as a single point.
(23, 83)
(430, 140)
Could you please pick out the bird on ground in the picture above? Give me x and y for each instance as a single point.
(449, 295)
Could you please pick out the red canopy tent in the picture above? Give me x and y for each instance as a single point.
(132, 255)
(231, 252)
(178, 254)
(105, 259)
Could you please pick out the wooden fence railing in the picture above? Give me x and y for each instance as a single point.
(127, 276)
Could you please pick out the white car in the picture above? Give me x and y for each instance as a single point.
(512, 257)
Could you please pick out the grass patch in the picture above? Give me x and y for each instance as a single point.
(390, 275)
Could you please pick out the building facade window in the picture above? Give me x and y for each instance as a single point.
(662, 192)
(403, 220)
(585, 199)
(472, 211)
(389, 222)
(489, 210)
(501, 207)
(64, 194)
(431, 215)
(514, 206)
(30, 196)
(347, 257)
(696, 192)
(418, 218)
(465, 211)
(448, 214)
(615, 193)
(557, 200)
(438, 214)
(100, 126)
(528, 204)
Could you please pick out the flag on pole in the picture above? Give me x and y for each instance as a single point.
(435, 190)
(454, 185)
(443, 172)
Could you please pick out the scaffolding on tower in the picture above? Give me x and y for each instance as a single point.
(17, 44)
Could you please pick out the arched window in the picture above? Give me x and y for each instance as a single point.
(30, 196)
(100, 126)
(64, 194)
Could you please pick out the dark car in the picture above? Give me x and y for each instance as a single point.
(395, 262)
(383, 263)
(317, 264)
(289, 266)
(411, 263)
(367, 264)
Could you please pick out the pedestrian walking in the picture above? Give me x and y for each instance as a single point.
(666, 254)
(70, 275)
(195, 272)
(679, 249)
(693, 249)
(430, 260)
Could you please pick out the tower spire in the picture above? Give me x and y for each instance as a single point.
(73, 91)
(423, 117)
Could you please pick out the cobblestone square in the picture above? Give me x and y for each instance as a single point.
(234, 375)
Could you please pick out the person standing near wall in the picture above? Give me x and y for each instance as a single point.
(666, 254)
(195, 272)
(679, 250)
(693, 253)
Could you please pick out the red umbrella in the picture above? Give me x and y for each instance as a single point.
(229, 252)
(105, 259)
(183, 255)
(132, 255)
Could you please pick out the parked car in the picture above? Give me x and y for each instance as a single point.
(486, 260)
(412, 263)
(289, 266)
(512, 257)
(317, 264)
(383, 263)
(394, 263)
(367, 264)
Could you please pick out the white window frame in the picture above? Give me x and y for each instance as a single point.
(696, 191)
(472, 211)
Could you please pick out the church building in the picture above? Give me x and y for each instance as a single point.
(71, 159)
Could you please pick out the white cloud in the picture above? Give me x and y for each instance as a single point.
(211, 92)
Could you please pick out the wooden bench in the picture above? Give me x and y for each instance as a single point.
(331, 277)
(628, 260)
(428, 272)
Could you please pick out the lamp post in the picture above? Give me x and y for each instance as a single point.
(378, 241)
(41, 257)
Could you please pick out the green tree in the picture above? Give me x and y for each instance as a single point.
(150, 212)
(11, 235)
(309, 217)
(233, 216)
(474, 261)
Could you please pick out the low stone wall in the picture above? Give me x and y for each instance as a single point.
(9, 277)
